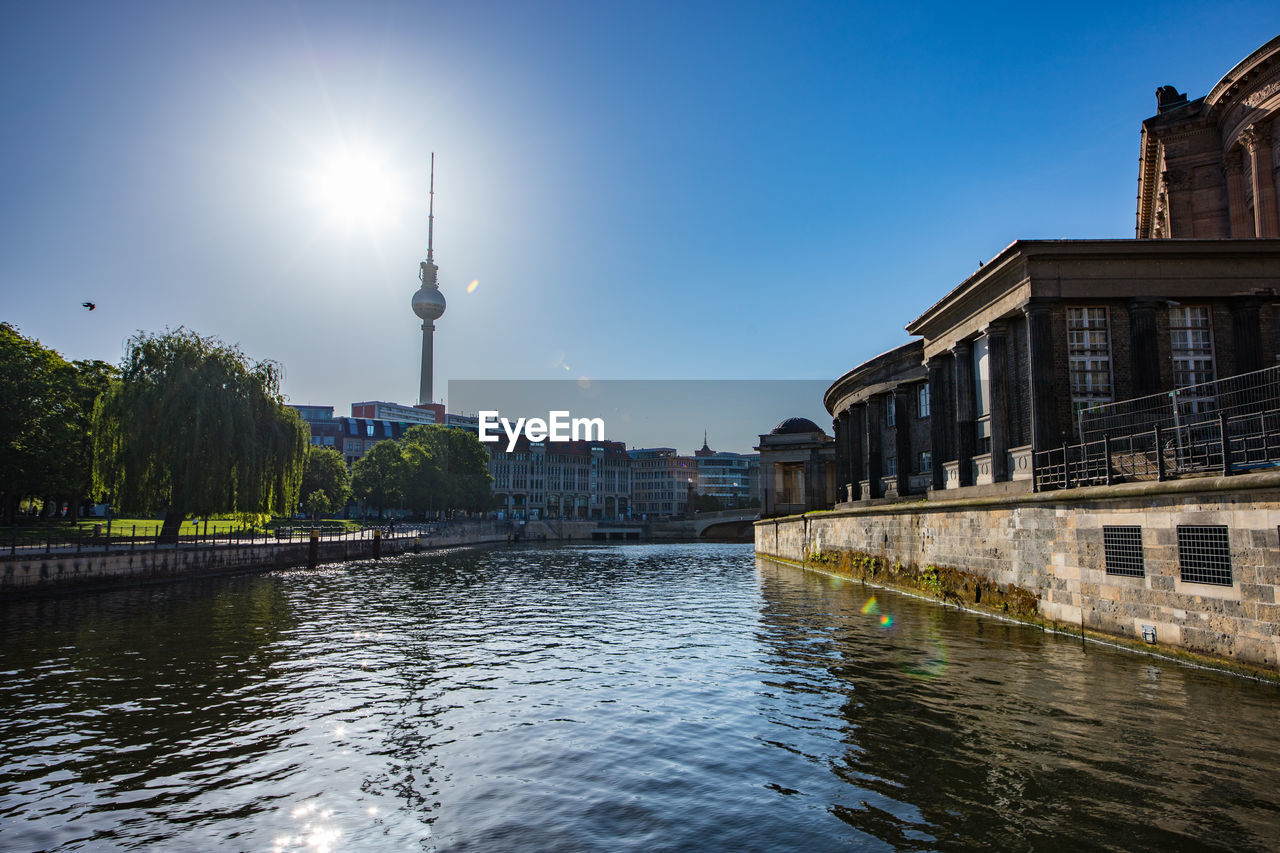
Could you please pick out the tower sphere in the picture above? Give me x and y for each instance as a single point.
(428, 303)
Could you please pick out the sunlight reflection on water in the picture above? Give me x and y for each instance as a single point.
(602, 698)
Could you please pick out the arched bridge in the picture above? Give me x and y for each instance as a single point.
(726, 524)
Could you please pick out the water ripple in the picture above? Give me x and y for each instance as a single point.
(640, 697)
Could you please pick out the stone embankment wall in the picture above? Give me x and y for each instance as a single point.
(54, 571)
(1041, 557)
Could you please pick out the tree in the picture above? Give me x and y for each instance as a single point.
(45, 446)
(706, 503)
(424, 477)
(193, 427)
(317, 503)
(325, 472)
(447, 469)
(378, 477)
(29, 380)
(88, 380)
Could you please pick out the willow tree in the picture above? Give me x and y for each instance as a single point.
(192, 427)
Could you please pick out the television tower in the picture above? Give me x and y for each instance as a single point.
(428, 302)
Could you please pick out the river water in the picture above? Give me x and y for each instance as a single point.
(637, 697)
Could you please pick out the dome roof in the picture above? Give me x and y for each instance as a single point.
(791, 426)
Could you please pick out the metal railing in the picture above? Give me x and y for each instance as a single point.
(54, 540)
(1225, 445)
(1235, 396)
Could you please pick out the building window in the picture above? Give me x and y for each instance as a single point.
(982, 395)
(891, 466)
(1192, 345)
(1204, 554)
(926, 462)
(922, 400)
(1088, 357)
(1123, 548)
(891, 411)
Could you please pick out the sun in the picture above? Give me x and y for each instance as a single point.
(358, 187)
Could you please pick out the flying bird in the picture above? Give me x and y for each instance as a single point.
(89, 305)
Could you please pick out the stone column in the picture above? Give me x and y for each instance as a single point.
(875, 455)
(845, 473)
(1241, 222)
(902, 439)
(1144, 347)
(813, 485)
(997, 366)
(1266, 218)
(857, 442)
(964, 440)
(768, 489)
(1045, 431)
(938, 369)
(1275, 170)
(1246, 333)
(841, 440)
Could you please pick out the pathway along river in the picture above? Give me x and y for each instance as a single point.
(641, 697)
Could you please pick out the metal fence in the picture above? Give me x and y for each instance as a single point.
(1225, 444)
(1235, 396)
(60, 540)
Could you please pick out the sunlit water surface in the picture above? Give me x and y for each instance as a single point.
(641, 697)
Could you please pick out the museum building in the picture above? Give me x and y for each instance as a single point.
(1004, 362)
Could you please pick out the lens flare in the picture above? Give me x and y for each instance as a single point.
(870, 608)
(886, 621)
(471, 288)
(933, 665)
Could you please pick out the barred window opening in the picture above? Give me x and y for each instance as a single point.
(1204, 553)
(1123, 547)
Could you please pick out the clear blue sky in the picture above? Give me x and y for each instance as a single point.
(685, 190)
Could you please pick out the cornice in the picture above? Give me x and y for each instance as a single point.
(1002, 264)
(904, 363)
(1235, 79)
(990, 281)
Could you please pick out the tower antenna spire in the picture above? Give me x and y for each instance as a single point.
(428, 303)
(431, 209)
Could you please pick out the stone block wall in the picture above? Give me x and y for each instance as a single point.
(1050, 546)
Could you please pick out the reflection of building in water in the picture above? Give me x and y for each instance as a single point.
(561, 479)
(946, 704)
(797, 468)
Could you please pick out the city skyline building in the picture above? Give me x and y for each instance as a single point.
(428, 302)
(570, 480)
(663, 481)
(383, 410)
(731, 478)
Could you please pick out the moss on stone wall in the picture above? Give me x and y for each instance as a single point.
(945, 583)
